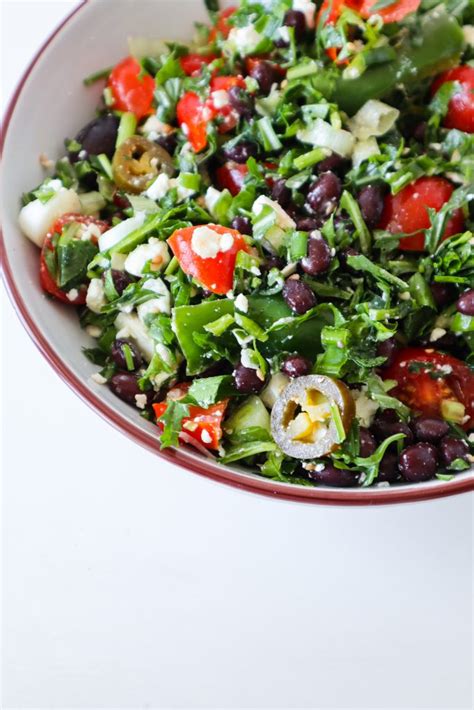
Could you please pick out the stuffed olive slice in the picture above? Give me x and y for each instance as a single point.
(312, 416)
(137, 161)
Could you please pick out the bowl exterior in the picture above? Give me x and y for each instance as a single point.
(29, 128)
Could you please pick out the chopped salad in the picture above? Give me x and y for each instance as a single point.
(268, 235)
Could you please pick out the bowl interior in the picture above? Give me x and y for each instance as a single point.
(54, 104)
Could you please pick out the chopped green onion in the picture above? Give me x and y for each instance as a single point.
(128, 355)
(219, 326)
(311, 158)
(97, 76)
(270, 140)
(306, 69)
(349, 204)
(127, 127)
(336, 417)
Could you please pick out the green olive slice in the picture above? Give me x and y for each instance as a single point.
(137, 161)
(303, 419)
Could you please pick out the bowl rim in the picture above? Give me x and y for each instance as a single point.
(220, 473)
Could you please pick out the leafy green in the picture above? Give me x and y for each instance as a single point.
(172, 420)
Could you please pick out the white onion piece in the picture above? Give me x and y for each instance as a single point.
(374, 119)
(36, 218)
(363, 150)
(114, 235)
(322, 135)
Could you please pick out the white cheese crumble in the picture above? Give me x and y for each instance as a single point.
(220, 98)
(141, 400)
(159, 188)
(206, 437)
(95, 298)
(241, 303)
(94, 331)
(207, 243)
(155, 251)
(436, 334)
(72, 294)
(211, 198)
(89, 231)
(162, 304)
(98, 379)
(247, 359)
(308, 8)
(130, 326)
(244, 39)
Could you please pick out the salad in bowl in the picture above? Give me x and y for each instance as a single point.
(268, 234)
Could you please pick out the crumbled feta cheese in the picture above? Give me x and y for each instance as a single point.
(94, 331)
(72, 294)
(365, 407)
(405, 296)
(159, 188)
(436, 334)
(97, 377)
(308, 9)
(154, 125)
(162, 304)
(95, 298)
(273, 390)
(220, 98)
(90, 231)
(244, 39)
(114, 235)
(283, 220)
(471, 437)
(155, 251)
(36, 218)
(211, 198)
(284, 34)
(141, 400)
(82, 155)
(241, 303)
(207, 243)
(128, 325)
(230, 295)
(206, 437)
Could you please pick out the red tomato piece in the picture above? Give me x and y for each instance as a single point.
(231, 176)
(214, 273)
(222, 26)
(192, 63)
(425, 388)
(130, 91)
(47, 280)
(219, 83)
(203, 425)
(460, 113)
(191, 113)
(393, 13)
(406, 211)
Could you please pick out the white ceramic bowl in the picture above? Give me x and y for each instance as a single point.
(92, 37)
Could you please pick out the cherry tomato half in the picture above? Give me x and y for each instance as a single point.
(214, 273)
(407, 211)
(231, 176)
(190, 113)
(203, 425)
(222, 26)
(393, 13)
(130, 91)
(48, 258)
(192, 64)
(460, 113)
(426, 378)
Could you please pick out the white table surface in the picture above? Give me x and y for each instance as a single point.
(130, 583)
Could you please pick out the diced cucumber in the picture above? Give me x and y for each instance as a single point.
(252, 413)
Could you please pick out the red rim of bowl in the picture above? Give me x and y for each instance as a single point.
(328, 496)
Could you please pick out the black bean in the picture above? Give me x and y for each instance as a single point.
(465, 303)
(430, 429)
(371, 202)
(418, 462)
(99, 136)
(387, 348)
(319, 258)
(451, 449)
(265, 74)
(324, 193)
(125, 386)
(419, 132)
(334, 163)
(343, 254)
(332, 476)
(241, 101)
(118, 354)
(242, 224)
(297, 20)
(281, 193)
(443, 294)
(308, 224)
(387, 423)
(296, 366)
(241, 152)
(121, 280)
(298, 296)
(168, 142)
(367, 443)
(246, 380)
(273, 262)
(388, 469)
